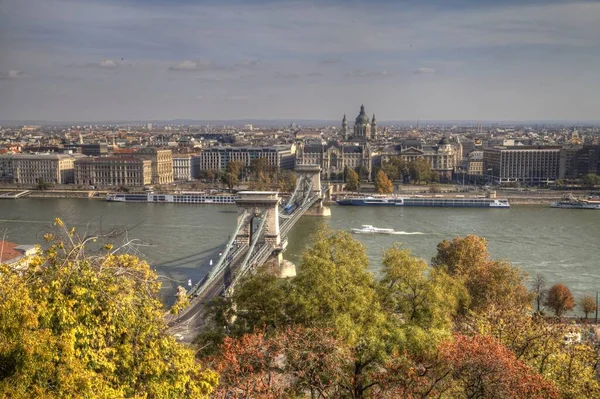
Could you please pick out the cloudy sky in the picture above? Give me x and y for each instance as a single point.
(405, 60)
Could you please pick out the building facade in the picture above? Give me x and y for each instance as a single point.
(33, 168)
(334, 157)
(182, 167)
(113, 171)
(442, 157)
(578, 160)
(217, 158)
(162, 163)
(523, 164)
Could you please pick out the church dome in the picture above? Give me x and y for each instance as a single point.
(362, 118)
(444, 141)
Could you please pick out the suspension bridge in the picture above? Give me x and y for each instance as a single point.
(260, 236)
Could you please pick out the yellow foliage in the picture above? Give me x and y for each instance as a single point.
(72, 326)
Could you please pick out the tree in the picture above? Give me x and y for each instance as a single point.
(235, 168)
(89, 325)
(488, 282)
(287, 181)
(481, 367)
(587, 305)
(538, 288)
(419, 170)
(363, 172)
(434, 176)
(351, 179)
(42, 184)
(383, 184)
(230, 179)
(559, 299)
(260, 167)
(591, 180)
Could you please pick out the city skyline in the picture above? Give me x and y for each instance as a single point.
(160, 60)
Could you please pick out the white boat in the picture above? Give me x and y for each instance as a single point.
(570, 202)
(368, 229)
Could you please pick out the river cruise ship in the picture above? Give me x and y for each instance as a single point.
(570, 202)
(179, 198)
(449, 202)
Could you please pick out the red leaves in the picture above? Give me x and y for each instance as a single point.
(482, 367)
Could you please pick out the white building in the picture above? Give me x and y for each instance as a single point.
(182, 167)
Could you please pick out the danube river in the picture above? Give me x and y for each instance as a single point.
(180, 240)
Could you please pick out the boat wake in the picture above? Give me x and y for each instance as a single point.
(407, 233)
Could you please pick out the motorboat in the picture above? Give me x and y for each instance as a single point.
(368, 229)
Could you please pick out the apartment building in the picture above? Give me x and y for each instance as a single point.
(217, 158)
(113, 171)
(162, 163)
(31, 168)
(524, 164)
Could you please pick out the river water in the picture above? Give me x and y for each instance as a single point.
(180, 240)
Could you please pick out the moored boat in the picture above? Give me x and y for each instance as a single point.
(570, 202)
(450, 202)
(180, 198)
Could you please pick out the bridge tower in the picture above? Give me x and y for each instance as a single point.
(254, 205)
(311, 174)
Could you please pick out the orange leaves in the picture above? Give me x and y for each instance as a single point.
(559, 299)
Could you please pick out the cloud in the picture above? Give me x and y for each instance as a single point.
(366, 73)
(248, 64)
(280, 75)
(331, 61)
(11, 74)
(237, 98)
(189, 65)
(107, 64)
(199, 97)
(314, 74)
(424, 70)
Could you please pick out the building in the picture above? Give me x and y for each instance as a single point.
(162, 163)
(363, 128)
(31, 168)
(182, 167)
(217, 158)
(577, 161)
(441, 157)
(334, 157)
(523, 164)
(11, 253)
(113, 171)
(475, 163)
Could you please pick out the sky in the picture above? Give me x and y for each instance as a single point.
(101, 60)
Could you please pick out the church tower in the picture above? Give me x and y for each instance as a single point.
(373, 128)
(345, 127)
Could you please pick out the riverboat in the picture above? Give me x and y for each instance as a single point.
(449, 202)
(180, 198)
(368, 229)
(570, 202)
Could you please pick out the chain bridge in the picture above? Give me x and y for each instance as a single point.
(260, 236)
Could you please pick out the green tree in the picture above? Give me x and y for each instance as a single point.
(230, 179)
(419, 170)
(351, 179)
(559, 299)
(383, 184)
(260, 167)
(77, 325)
(363, 172)
(591, 180)
(42, 184)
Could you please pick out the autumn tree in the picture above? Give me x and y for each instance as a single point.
(287, 181)
(235, 168)
(351, 179)
(481, 367)
(419, 170)
(79, 324)
(488, 281)
(591, 180)
(260, 167)
(587, 305)
(538, 288)
(383, 184)
(559, 299)
(396, 168)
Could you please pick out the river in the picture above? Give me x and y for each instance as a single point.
(180, 240)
